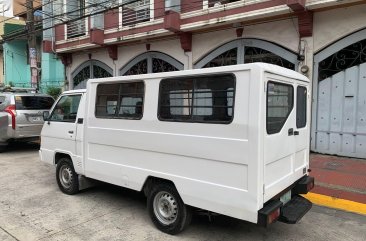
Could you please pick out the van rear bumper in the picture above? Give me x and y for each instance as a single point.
(293, 210)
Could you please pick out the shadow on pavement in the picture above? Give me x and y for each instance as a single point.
(201, 218)
(21, 147)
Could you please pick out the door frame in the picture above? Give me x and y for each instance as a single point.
(318, 57)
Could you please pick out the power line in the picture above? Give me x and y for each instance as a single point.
(95, 13)
(74, 19)
(52, 17)
(111, 7)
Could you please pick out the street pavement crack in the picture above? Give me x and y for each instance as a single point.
(9, 233)
(91, 219)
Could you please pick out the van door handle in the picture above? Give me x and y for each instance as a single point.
(296, 133)
(71, 132)
(291, 131)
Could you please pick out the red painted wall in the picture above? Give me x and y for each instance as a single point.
(111, 19)
(60, 32)
(191, 5)
(159, 9)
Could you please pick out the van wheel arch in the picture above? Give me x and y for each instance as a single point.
(60, 155)
(151, 181)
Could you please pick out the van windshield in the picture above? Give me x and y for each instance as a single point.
(33, 102)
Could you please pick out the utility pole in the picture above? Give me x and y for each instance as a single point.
(32, 44)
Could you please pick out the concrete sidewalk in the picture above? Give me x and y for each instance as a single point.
(340, 182)
(339, 177)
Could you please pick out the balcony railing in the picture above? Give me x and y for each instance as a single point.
(136, 12)
(212, 3)
(76, 28)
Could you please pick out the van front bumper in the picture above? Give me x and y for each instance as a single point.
(292, 211)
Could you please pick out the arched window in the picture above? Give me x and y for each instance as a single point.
(249, 51)
(91, 69)
(352, 55)
(151, 62)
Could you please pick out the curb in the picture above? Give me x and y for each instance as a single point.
(337, 203)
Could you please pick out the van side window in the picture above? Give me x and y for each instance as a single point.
(122, 101)
(301, 98)
(280, 98)
(66, 109)
(208, 99)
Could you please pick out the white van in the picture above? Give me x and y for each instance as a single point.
(232, 140)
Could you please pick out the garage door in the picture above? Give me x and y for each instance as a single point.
(339, 107)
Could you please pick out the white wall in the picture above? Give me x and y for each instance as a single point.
(169, 47)
(282, 32)
(332, 25)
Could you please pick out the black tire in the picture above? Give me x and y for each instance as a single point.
(3, 147)
(67, 178)
(182, 214)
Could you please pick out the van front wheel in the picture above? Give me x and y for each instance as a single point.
(167, 210)
(67, 178)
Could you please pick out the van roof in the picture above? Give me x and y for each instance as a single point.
(269, 68)
(74, 91)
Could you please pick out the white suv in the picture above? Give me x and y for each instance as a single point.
(21, 115)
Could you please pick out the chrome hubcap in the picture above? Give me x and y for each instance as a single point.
(165, 208)
(65, 176)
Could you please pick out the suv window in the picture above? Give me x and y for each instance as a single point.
(280, 98)
(33, 102)
(66, 109)
(208, 99)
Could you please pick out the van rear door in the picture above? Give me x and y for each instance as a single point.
(280, 136)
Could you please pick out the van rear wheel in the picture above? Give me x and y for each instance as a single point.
(167, 210)
(67, 178)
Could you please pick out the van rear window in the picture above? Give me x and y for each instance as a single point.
(280, 99)
(208, 99)
(301, 98)
(33, 102)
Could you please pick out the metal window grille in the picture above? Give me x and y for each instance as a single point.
(197, 99)
(136, 12)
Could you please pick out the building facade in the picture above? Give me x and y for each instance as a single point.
(3, 22)
(16, 53)
(323, 39)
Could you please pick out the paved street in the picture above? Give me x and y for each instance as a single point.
(32, 208)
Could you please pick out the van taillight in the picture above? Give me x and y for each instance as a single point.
(273, 216)
(11, 110)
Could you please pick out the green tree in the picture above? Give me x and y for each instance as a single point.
(54, 91)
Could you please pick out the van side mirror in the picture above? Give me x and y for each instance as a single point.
(46, 115)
